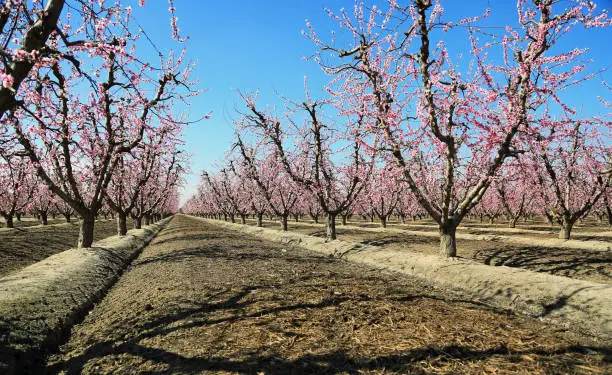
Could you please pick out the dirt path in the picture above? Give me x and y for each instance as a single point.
(21, 247)
(202, 300)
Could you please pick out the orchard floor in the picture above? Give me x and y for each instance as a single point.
(31, 221)
(203, 300)
(26, 245)
(580, 264)
(584, 232)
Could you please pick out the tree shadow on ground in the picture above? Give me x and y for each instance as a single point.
(335, 362)
(319, 297)
(228, 306)
(400, 239)
(232, 308)
(556, 261)
(590, 237)
(22, 246)
(215, 251)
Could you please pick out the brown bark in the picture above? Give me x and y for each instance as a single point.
(121, 223)
(567, 224)
(137, 222)
(86, 231)
(331, 227)
(383, 221)
(283, 221)
(448, 242)
(33, 40)
(9, 221)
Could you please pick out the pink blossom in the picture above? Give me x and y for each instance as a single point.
(7, 80)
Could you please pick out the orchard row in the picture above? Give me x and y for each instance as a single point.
(414, 127)
(87, 123)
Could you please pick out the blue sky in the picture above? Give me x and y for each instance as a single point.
(257, 45)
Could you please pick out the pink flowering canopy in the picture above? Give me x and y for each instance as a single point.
(450, 121)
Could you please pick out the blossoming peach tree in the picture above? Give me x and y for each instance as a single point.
(77, 95)
(468, 115)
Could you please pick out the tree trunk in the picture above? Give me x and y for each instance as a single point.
(403, 217)
(316, 219)
(513, 221)
(44, 218)
(138, 222)
(232, 218)
(343, 223)
(566, 229)
(331, 226)
(18, 215)
(283, 220)
(549, 217)
(9, 221)
(67, 217)
(565, 233)
(383, 221)
(297, 218)
(448, 243)
(243, 219)
(260, 220)
(147, 219)
(121, 224)
(86, 231)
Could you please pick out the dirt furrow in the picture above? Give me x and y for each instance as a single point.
(203, 300)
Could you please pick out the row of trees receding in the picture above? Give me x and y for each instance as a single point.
(86, 120)
(411, 127)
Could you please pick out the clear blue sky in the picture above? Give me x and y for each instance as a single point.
(257, 45)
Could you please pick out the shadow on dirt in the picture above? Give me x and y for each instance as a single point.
(250, 291)
(556, 261)
(232, 309)
(334, 362)
(331, 363)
